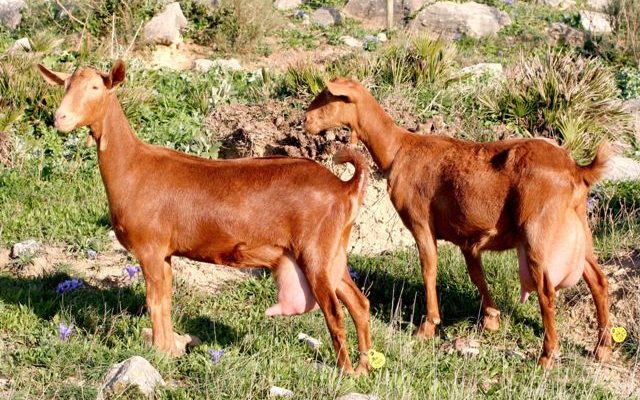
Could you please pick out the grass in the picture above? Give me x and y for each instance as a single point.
(261, 352)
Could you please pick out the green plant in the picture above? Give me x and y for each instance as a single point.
(626, 24)
(629, 82)
(562, 96)
(303, 79)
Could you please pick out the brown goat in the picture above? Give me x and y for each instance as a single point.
(523, 194)
(289, 214)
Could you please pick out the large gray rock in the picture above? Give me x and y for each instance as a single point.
(285, 5)
(133, 372)
(595, 22)
(559, 31)
(11, 13)
(599, 5)
(621, 168)
(451, 20)
(326, 16)
(373, 13)
(165, 27)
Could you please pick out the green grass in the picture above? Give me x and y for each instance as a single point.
(261, 352)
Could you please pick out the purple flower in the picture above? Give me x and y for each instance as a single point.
(355, 275)
(131, 270)
(216, 354)
(65, 331)
(69, 286)
(592, 203)
(92, 254)
(508, 2)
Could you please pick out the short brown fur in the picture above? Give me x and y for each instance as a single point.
(479, 196)
(243, 212)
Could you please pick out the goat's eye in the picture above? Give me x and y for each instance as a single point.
(95, 88)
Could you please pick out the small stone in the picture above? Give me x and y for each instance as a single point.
(26, 248)
(382, 37)
(202, 65)
(276, 391)
(165, 27)
(230, 64)
(468, 348)
(595, 22)
(92, 254)
(357, 396)
(326, 16)
(22, 44)
(284, 5)
(516, 354)
(560, 4)
(133, 372)
(313, 343)
(561, 31)
(351, 41)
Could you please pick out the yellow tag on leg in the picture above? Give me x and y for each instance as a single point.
(376, 360)
(618, 334)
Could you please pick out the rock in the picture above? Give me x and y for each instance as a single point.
(561, 4)
(559, 31)
(11, 13)
(357, 396)
(351, 41)
(26, 248)
(467, 348)
(22, 44)
(136, 372)
(202, 65)
(182, 341)
(449, 20)
(595, 22)
(326, 16)
(382, 37)
(276, 391)
(313, 343)
(373, 13)
(284, 5)
(492, 69)
(621, 168)
(598, 5)
(165, 27)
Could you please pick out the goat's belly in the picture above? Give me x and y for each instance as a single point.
(564, 260)
(294, 293)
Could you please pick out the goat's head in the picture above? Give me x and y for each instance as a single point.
(334, 107)
(87, 92)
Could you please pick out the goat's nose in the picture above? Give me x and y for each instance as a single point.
(60, 116)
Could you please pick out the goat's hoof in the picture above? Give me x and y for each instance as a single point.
(491, 323)
(602, 353)
(177, 348)
(361, 370)
(426, 331)
(546, 362)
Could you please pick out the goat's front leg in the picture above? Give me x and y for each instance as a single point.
(427, 249)
(490, 313)
(158, 279)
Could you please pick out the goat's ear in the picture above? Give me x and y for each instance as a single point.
(341, 88)
(51, 77)
(116, 76)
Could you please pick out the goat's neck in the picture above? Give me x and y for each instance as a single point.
(118, 147)
(379, 133)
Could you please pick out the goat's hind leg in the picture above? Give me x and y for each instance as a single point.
(358, 306)
(490, 313)
(598, 285)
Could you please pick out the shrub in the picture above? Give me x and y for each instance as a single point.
(626, 24)
(629, 82)
(569, 98)
(303, 79)
(235, 25)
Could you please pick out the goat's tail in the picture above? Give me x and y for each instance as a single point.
(358, 182)
(593, 172)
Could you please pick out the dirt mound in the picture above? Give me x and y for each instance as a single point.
(275, 128)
